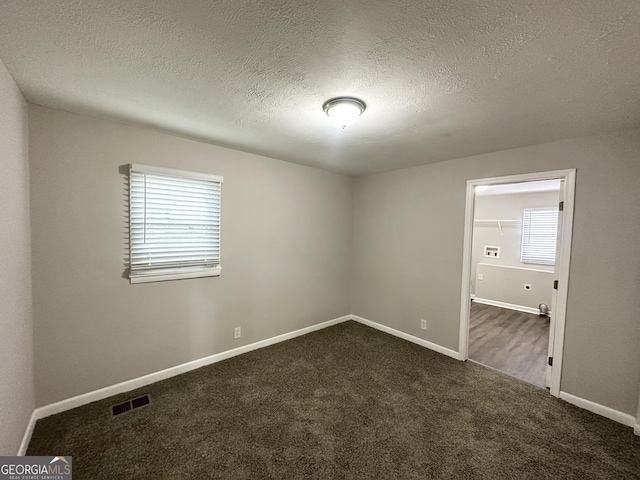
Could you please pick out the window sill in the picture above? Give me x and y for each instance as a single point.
(162, 277)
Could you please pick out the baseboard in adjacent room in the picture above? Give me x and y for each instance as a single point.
(636, 429)
(510, 306)
(397, 333)
(610, 413)
(145, 380)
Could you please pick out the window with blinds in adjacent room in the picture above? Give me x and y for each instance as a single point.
(174, 224)
(539, 235)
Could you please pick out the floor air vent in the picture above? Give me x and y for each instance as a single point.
(120, 408)
(130, 405)
(140, 402)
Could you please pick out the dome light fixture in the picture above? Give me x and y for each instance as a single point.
(343, 111)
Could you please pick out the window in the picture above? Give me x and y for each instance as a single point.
(174, 224)
(539, 234)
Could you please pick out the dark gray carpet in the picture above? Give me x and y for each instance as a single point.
(344, 402)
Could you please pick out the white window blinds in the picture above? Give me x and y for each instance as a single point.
(174, 221)
(539, 235)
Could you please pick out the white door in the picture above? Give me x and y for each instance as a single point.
(554, 291)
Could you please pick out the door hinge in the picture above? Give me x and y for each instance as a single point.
(555, 284)
(550, 361)
(561, 206)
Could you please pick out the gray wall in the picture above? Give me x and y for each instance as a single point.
(408, 233)
(286, 239)
(507, 284)
(505, 207)
(16, 349)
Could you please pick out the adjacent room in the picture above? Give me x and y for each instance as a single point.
(320, 240)
(513, 263)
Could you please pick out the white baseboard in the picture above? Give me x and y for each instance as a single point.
(145, 380)
(510, 306)
(620, 417)
(397, 333)
(615, 415)
(27, 435)
(129, 385)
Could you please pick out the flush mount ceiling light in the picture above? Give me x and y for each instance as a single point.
(343, 111)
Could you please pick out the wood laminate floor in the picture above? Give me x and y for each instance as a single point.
(510, 341)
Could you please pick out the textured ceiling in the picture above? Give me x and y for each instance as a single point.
(442, 79)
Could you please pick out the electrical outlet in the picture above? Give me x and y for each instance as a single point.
(237, 332)
(480, 276)
(527, 286)
(423, 324)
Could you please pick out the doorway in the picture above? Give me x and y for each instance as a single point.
(515, 274)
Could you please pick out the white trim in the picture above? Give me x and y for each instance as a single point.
(610, 413)
(562, 274)
(510, 306)
(149, 277)
(132, 384)
(27, 434)
(397, 333)
(135, 167)
(484, 222)
(527, 269)
(636, 429)
(539, 187)
(106, 392)
(562, 264)
(465, 303)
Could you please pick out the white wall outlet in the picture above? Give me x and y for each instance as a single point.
(237, 332)
(423, 324)
(527, 286)
(480, 276)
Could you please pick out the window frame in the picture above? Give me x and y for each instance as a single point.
(180, 272)
(522, 236)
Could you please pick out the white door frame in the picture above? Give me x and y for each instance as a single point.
(562, 263)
